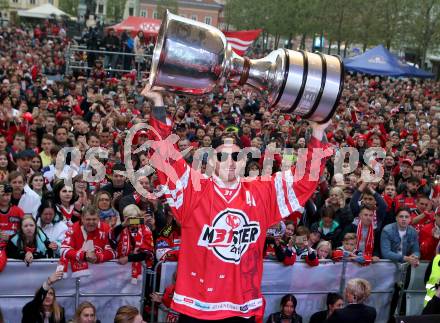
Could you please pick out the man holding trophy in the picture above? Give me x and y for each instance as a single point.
(224, 218)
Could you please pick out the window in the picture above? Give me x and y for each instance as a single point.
(51, 2)
(208, 20)
(15, 1)
(155, 16)
(32, 1)
(101, 8)
(143, 13)
(194, 17)
(131, 11)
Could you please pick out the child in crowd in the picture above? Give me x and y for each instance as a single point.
(348, 252)
(296, 246)
(324, 250)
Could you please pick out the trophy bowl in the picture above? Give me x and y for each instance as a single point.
(192, 58)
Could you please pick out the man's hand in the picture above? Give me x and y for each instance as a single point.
(155, 297)
(91, 257)
(153, 94)
(318, 130)
(123, 260)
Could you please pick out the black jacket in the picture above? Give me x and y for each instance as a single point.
(278, 318)
(319, 317)
(32, 310)
(359, 313)
(433, 306)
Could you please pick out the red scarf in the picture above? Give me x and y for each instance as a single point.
(129, 242)
(369, 239)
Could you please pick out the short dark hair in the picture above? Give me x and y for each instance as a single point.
(402, 209)
(332, 298)
(413, 179)
(327, 212)
(365, 207)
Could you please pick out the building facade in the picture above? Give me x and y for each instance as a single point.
(8, 8)
(206, 11)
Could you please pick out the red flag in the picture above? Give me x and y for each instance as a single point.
(241, 40)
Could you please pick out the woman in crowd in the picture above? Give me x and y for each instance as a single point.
(342, 212)
(6, 166)
(30, 242)
(65, 202)
(107, 213)
(288, 311)
(44, 308)
(85, 313)
(36, 182)
(36, 163)
(128, 314)
(53, 226)
(356, 293)
(334, 302)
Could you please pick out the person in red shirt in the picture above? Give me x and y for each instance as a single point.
(10, 216)
(87, 242)
(224, 219)
(429, 238)
(408, 197)
(422, 214)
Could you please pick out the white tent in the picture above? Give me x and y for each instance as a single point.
(45, 11)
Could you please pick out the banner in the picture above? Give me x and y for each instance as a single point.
(310, 285)
(242, 39)
(108, 287)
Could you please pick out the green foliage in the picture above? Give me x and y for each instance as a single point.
(70, 7)
(115, 10)
(399, 23)
(164, 5)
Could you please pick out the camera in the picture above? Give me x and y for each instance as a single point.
(136, 221)
(7, 188)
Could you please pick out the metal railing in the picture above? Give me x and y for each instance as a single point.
(279, 280)
(72, 64)
(109, 282)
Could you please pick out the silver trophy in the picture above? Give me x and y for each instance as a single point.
(191, 57)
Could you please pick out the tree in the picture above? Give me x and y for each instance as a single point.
(115, 10)
(164, 5)
(421, 27)
(70, 7)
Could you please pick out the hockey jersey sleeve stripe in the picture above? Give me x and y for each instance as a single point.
(293, 200)
(181, 183)
(284, 211)
(175, 196)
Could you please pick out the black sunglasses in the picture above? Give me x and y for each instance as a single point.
(221, 157)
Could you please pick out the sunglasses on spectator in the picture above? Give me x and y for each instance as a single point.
(221, 157)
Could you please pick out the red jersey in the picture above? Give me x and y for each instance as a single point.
(9, 223)
(71, 248)
(429, 240)
(223, 232)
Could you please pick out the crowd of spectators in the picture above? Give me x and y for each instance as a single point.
(349, 218)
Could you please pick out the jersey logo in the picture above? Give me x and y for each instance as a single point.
(230, 235)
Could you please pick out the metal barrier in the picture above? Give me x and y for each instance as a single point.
(72, 64)
(415, 292)
(311, 284)
(108, 287)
